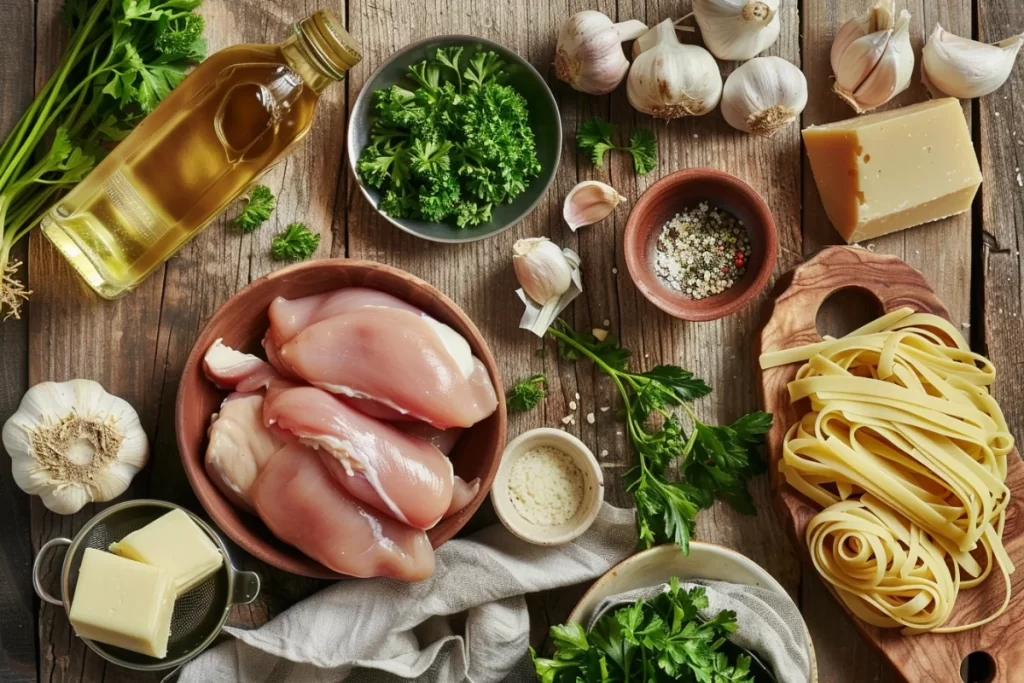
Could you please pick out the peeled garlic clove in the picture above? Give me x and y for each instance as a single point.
(72, 443)
(589, 202)
(669, 79)
(589, 56)
(541, 268)
(964, 68)
(872, 58)
(764, 95)
(737, 29)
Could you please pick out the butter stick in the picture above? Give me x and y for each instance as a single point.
(176, 544)
(123, 603)
(880, 173)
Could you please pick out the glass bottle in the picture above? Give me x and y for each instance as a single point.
(227, 123)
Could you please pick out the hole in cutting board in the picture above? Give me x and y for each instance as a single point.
(845, 310)
(978, 667)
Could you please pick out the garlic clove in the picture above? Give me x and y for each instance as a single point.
(960, 67)
(860, 60)
(737, 29)
(763, 95)
(669, 79)
(541, 268)
(872, 58)
(589, 55)
(891, 75)
(589, 202)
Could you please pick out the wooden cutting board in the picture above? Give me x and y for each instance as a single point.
(790, 321)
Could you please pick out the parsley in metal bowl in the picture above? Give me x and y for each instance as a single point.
(454, 138)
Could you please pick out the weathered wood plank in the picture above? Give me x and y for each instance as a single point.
(17, 600)
(942, 251)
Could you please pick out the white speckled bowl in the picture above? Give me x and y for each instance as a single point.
(593, 488)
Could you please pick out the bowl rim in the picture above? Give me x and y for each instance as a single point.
(636, 266)
(206, 492)
(366, 92)
(580, 453)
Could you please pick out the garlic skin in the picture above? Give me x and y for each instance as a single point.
(541, 268)
(589, 55)
(737, 29)
(763, 95)
(960, 67)
(872, 58)
(589, 202)
(72, 443)
(669, 79)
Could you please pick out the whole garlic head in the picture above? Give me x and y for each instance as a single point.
(72, 443)
(541, 268)
(764, 95)
(872, 58)
(669, 79)
(589, 55)
(964, 68)
(737, 29)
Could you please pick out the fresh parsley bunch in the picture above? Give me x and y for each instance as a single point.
(713, 461)
(648, 642)
(453, 147)
(122, 57)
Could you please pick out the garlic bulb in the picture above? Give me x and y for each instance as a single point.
(541, 268)
(737, 29)
(72, 443)
(872, 58)
(764, 95)
(589, 54)
(964, 68)
(589, 202)
(669, 79)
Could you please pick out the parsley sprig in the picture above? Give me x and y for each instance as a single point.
(594, 136)
(453, 147)
(527, 393)
(659, 640)
(259, 204)
(295, 243)
(714, 461)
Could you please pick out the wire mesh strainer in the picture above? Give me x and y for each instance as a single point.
(198, 614)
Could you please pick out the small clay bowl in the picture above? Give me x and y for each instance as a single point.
(241, 322)
(683, 190)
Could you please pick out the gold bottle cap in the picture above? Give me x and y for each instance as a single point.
(331, 42)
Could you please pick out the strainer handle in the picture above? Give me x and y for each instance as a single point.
(37, 565)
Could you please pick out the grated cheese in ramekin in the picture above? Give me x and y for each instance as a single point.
(546, 486)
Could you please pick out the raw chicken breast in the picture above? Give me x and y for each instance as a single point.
(463, 494)
(230, 369)
(443, 439)
(288, 317)
(398, 474)
(408, 362)
(272, 349)
(240, 446)
(306, 507)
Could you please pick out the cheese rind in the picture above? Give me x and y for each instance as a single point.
(176, 544)
(123, 603)
(885, 172)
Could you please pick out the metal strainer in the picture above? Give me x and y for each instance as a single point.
(198, 614)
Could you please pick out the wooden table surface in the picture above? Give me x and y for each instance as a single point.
(136, 346)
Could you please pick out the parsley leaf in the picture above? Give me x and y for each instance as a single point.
(594, 136)
(259, 204)
(662, 639)
(295, 243)
(527, 393)
(714, 461)
(454, 146)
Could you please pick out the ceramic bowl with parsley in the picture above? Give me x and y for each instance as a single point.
(454, 138)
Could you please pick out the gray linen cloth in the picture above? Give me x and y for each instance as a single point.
(378, 629)
(767, 624)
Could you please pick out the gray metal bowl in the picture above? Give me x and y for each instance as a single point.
(544, 120)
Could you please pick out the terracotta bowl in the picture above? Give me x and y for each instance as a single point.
(241, 322)
(682, 190)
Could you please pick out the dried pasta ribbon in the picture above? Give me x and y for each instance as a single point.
(905, 451)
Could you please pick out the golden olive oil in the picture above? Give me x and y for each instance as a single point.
(226, 124)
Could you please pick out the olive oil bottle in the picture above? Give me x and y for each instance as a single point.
(240, 111)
